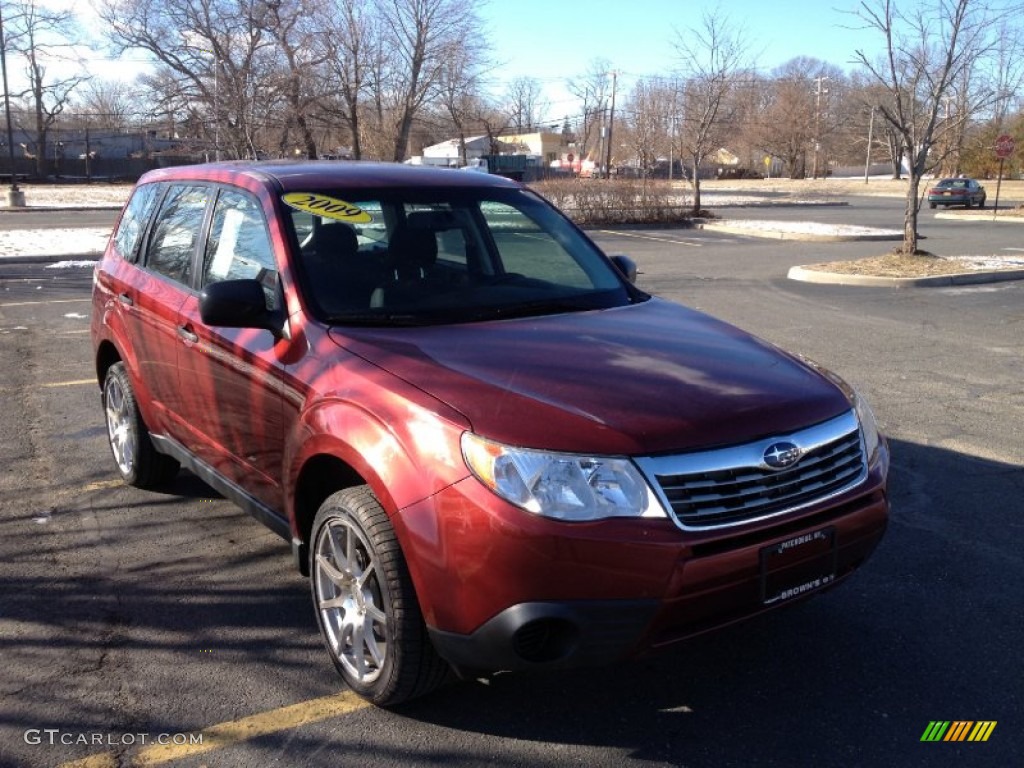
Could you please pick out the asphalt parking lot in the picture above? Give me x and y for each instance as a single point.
(126, 616)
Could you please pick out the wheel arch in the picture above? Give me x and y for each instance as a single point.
(321, 475)
(107, 354)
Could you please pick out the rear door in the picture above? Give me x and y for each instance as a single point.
(161, 287)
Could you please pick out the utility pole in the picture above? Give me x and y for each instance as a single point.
(871, 131)
(817, 121)
(611, 123)
(15, 196)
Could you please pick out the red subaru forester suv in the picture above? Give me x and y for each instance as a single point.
(488, 448)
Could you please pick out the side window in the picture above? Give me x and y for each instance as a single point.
(239, 245)
(178, 223)
(133, 220)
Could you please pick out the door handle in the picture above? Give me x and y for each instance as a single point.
(187, 334)
(125, 299)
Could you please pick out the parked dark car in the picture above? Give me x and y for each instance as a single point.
(959, 191)
(489, 449)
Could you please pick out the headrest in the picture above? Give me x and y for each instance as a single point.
(412, 249)
(336, 241)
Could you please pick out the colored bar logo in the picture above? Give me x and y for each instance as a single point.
(958, 730)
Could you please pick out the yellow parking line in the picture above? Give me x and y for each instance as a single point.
(237, 731)
(33, 303)
(650, 237)
(75, 383)
(102, 760)
(101, 485)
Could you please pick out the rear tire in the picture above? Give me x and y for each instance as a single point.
(137, 459)
(366, 607)
(932, 206)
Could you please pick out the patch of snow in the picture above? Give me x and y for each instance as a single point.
(75, 316)
(53, 242)
(73, 264)
(981, 263)
(76, 195)
(809, 228)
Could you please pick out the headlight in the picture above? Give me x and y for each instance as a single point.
(560, 485)
(868, 426)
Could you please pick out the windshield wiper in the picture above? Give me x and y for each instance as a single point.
(537, 308)
(378, 318)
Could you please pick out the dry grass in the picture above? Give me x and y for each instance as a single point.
(896, 265)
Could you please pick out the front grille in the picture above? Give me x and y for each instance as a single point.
(730, 486)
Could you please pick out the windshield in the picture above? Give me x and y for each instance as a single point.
(444, 255)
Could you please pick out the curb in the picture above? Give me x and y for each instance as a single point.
(985, 217)
(50, 258)
(780, 204)
(803, 274)
(800, 236)
(54, 208)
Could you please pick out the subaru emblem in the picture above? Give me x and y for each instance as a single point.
(781, 455)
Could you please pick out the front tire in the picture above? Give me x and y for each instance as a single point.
(366, 606)
(137, 459)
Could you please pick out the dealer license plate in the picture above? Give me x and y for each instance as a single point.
(799, 565)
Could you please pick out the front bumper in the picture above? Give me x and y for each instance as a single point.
(505, 590)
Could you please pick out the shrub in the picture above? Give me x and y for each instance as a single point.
(618, 201)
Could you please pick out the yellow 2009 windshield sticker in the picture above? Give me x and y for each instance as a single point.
(327, 207)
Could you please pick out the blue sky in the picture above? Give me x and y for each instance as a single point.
(552, 40)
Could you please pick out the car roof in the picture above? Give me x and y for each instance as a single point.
(290, 175)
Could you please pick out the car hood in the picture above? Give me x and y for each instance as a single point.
(642, 379)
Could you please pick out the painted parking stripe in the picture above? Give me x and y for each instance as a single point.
(235, 732)
(75, 383)
(102, 485)
(36, 303)
(650, 237)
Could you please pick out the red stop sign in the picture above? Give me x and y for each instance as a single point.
(1004, 146)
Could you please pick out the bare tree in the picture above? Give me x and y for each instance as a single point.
(645, 124)
(930, 51)
(593, 89)
(526, 104)
(353, 52)
(218, 53)
(293, 27)
(711, 55)
(1008, 70)
(109, 105)
(38, 33)
(460, 91)
(796, 119)
(420, 36)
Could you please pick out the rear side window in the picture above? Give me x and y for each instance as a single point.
(239, 245)
(133, 220)
(178, 223)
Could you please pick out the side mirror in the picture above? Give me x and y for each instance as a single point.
(238, 304)
(626, 266)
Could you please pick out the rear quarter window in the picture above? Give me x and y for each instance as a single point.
(133, 220)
